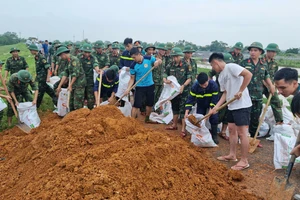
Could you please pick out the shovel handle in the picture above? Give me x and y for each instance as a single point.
(292, 161)
(99, 90)
(7, 93)
(69, 94)
(220, 108)
(135, 84)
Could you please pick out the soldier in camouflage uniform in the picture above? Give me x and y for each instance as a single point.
(122, 49)
(114, 58)
(222, 113)
(76, 49)
(158, 73)
(170, 46)
(256, 87)
(109, 49)
(52, 52)
(15, 63)
(42, 75)
(89, 63)
(68, 44)
(272, 68)
(8, 98)
(77, 84)
(18, 88)
(188, 53)
(55, 60)
(183, 73)
(236, 53)
(102, 57)
(150, 48)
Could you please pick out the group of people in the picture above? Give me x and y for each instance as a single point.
(247, 80)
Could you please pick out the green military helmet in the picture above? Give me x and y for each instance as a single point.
(122, 48)
(87, 48)
(257, 45)
(61, 50)
(188, 49)
(77, 45)
(176, 51)
(150, 46)
(56, 41)
(99, 45)
(139, 46)
(170, 46)
(162, 46)
(228, 58)
(24, 76)
(273, 47)
(67, 43)
(33, 47)
(115, 42)
(115, 68)
(115, 46)
(238, 45)
(14, 49)
(1, 63)
(57, 45)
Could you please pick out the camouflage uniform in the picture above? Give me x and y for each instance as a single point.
(192, 64)
(114, 59)
(256, 89)
(13, 65)
(237, 58)
(74, 69)
(275, 103)
(88, 65)
(158, 75)
(103, 59)
(182, 72)
(41, 67)
(21, 91)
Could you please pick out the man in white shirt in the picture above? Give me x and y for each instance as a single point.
(234, 80)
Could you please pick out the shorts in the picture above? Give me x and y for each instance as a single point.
(141, 92)
(240, 117)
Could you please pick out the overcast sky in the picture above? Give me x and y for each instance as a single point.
(198, 21)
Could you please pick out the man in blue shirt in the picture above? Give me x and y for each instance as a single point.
(46, 50)
(125, 59)
(145, 88)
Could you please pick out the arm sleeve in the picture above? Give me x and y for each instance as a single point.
(10, 86)
(25, 64)
(191, 99)
(107, 60)
(96, 85)
(33, 85)
(7, 66)
(215, 95)
(116, 85)
(166, 71)
(96, 63)
(188, 72)
(75, 69)
(267, 75)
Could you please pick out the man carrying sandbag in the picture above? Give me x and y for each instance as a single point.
(18, 89)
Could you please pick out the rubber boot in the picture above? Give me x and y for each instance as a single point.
(214, 133)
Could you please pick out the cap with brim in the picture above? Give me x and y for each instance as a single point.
(150, 46)
(33, 47)
(162, 46)
(257, 45)
(61, 50)
(14, 49)
(188, 49)
(176, 51)
(24, 76)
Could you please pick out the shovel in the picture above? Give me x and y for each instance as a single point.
(253, 142)
(197, 123)
(99, 90)
(20, 125)
(135, 84)
(282, 189)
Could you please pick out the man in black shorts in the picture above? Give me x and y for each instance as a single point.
(234, 80)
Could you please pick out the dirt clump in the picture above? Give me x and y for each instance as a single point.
(194, 120)
(101, 154)
(236, 175)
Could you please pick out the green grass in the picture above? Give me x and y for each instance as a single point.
(288, 63)
(4, 54)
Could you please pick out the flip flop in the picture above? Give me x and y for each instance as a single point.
(171, 128)
(224, 136)
(222, 158)
(183, 134)
(239, 167)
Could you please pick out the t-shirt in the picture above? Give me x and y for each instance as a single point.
(45, 47)
(231, 81)
(140, 69)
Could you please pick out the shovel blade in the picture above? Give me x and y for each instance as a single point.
(253, 144)
(23, 127)
(281, 190)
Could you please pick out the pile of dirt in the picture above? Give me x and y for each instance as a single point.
(101, 154)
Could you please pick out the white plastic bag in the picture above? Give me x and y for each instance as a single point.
(169, 92)
(166, 115)
(95, 75)
(2, 104)
(124, 78)
(28, 114)
(53, 80)
(284, 142)
(62, 102)
(126, 110)
(200, 136)
(263, 130)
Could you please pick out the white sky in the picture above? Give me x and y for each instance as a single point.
(198, 21)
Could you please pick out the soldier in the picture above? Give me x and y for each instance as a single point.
(8, 98)
(188, 53)
(55, 60)
(89, 63)
(68, 44)
(260, 73)
(170, 46)
(103, 59)
(205, 93)
(236, 53)
(122, 49)
(76, 49)
(76, 73)
(286, 81)
(52, 50)
(222, 113)
(109, 49)
(15, 63)
(158, 73)
(115, 57)
(183, 74)
(138, 43)
(150, 48)
(272, 68)
(42, 75)
(18, 89)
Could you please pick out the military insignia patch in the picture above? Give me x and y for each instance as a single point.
(44, 61)
(190, 68)
(74, 63)
(182, 70)
(145, 65)
(88, 63)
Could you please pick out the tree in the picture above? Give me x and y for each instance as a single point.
(9, 38)
(217, 46)
(292, 50)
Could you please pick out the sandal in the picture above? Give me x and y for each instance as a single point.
(171, 128)
(223, 158)
(224, 136)
(183, 134)
(240, 167)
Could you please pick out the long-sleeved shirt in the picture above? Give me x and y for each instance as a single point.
(107, 85)
(125, 60)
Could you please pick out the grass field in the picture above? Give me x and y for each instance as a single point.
(4, 54)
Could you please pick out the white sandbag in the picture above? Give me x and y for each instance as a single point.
(124, 78)
(95, 75)
(28, 114)
(62, 102)
(104, 103)
(263, 130)
(199, 136)
(169, 92)
(53, 80)
(284, 142)
(126, 110)
(2, 104)
(166, 115)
